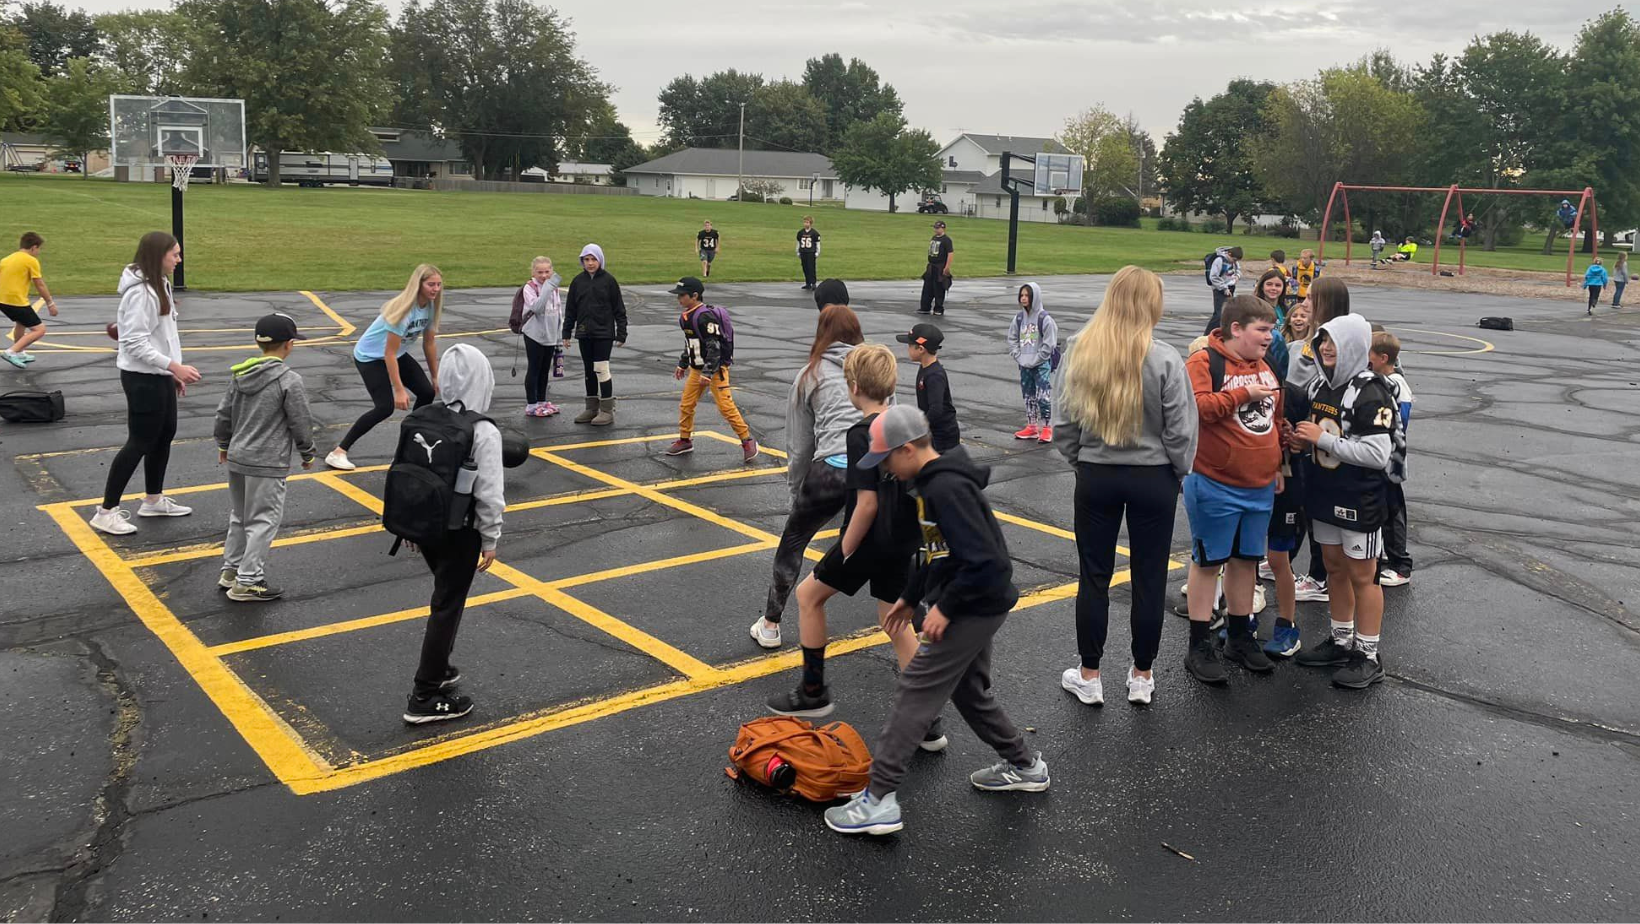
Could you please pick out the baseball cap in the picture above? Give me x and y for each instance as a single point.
(688, 285)
(939, 224)
(277, 328)
(892, 429)
(926, 336)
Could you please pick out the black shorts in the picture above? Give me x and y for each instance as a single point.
(21, 314)
(884, 571)
(708, 255)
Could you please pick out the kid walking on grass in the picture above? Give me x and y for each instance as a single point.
(1033, 339)
(263, 415)
(543, 325)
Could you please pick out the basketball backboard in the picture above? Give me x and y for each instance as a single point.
(144, 130)
(1058, 174)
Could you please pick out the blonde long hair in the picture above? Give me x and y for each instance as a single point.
(397, 308)
(1104, 384)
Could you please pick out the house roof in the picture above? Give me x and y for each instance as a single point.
(1018, 144)
(419, 146)
(992, 185)
(24, 138)
(575, 168)
(962, 176)
(726, 162)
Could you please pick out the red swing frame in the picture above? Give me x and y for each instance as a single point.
(1341, 194)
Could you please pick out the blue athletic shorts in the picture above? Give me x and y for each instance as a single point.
(1283, 542)
(1226, 521)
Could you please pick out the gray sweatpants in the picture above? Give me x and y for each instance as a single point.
(955, 668)
(255, 507)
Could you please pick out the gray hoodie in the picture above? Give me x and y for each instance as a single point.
(818, 415)
(262, 416)
(1351, 334)
(1168, 436)
(1032, 335)
(466, 379)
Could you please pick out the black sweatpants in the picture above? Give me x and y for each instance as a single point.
(150, 425)
(1148, 496)
(933, 293)
(1396, 556)
(594, 351)
(1594, 296)
(380, 387)
(539, 371)
(819, 498)
(1220, 296)
(809, 277)
(453, 565)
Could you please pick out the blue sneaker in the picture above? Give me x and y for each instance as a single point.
(1283, 643)
(862, 814)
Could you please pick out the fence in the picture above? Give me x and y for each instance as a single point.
(502, 186)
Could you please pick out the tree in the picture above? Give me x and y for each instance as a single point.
(76, 118)
(705, 113)
(1112, 167)
(20, 96)
(54, 34)
(849, 93)
(145, 50)
(503, 79)
(309, 71)
(784, 117)
(885, 156)
(608, 141)
(1603, 114)
(1206, 165)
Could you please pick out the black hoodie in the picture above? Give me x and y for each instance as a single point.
(963, 565)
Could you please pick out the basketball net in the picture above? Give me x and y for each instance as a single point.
(182, 167)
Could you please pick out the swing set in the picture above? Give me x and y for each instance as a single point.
(1454, 194)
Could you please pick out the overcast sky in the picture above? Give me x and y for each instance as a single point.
(960, 65)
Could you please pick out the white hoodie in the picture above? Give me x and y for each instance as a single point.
(148, 339)
(465, 378)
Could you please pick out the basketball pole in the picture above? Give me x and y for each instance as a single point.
(1012, 186)
(177, 282)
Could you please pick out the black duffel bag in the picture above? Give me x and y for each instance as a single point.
(1496, 324)
(32, 406)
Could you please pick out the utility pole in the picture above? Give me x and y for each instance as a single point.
(740, 180)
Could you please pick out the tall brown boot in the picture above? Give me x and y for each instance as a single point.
(606, 413)
(590, 412)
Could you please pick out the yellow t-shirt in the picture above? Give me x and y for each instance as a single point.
(16, 272)
(1304, 276)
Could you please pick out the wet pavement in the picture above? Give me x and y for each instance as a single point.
(170, 755)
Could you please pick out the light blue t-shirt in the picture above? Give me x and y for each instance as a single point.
(373, 345)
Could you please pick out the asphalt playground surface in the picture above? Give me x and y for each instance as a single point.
(170, 755)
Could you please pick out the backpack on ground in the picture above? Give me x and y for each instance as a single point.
(726, 326)
(826, 763)
(515, 321)
(32, 406)
(421, 502)
(1497, 323)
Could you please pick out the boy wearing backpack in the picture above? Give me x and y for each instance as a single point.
(708, 352)
(444, 497)
(261, 418)
(964, 575)
(1223, 270)
(1033, 342)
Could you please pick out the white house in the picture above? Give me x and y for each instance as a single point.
(969, 181)
(712, 173)
(570, 171)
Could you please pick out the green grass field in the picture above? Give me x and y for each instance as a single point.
(248, 238)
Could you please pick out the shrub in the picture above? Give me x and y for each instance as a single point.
(1059, 206)
(1173, 224)
(1115, 212)
(785, 200)
(1213, 226)
(1509, 235)
(749, 196)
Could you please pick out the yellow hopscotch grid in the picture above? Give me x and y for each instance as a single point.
(300, 767)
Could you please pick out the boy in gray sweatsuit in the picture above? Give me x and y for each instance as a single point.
(263, 415)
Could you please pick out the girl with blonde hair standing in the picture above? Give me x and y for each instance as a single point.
(1126, 419)
(382, 356)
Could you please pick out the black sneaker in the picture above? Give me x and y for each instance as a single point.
(436, 707)
(934, 740)
(1182, 608)
(802, 704)
(452, 676)
(254, 593)
(1327, 654)
(1246, 651)
(939, 312)
(1204, 663)
(1361, 672)
(921, 311)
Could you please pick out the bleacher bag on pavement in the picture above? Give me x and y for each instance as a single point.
(32, 406)
(1497, 323)
(831, 762)
(420, 502)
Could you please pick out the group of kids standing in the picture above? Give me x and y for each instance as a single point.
(1260, 462)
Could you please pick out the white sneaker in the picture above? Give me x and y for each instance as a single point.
(1389, 577)
(1090, 692)
(1258, 598)
(1140, 688)
(1309, 590)
(1264, 572)
(165, 507)
(337, 459)
(766, 633)
(116, 522)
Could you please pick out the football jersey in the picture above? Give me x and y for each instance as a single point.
(1337, 492)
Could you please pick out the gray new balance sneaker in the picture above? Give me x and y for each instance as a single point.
(862, 814)
(1005, 776)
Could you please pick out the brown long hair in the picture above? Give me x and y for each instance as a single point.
(838, 324)
(1329, 298)
(150, 262)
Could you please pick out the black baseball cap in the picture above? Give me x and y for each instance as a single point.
(277, 328)
(688, 285)
(939, 224)
(926, 336)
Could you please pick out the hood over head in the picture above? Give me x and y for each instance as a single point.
(598, 252)
(257, 373)
(1352, 335)
(1036, 297)
(830, 292)
(957, 462)
(465, 377)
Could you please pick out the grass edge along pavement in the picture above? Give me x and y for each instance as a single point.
(242, 238)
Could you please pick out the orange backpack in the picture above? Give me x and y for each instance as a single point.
(829, 762)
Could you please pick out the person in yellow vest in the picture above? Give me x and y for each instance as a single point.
(1406, 251)
(16, 272)
(1303, 274)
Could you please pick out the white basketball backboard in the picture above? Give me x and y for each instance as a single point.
(1058, 174)
(145, 129)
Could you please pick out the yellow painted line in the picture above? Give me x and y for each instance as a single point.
(273, 740)
(352, 491)
(204, 488)
(249, 331)
(717, 477)
(213, 549)
(629, 441)
(352, 625)
(1486, 345)
(694, 558)
(571, 498)
(751, 532)
(347, 327)
(735, 441)
(1046, 528)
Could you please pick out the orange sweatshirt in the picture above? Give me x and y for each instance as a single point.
(1239, 441)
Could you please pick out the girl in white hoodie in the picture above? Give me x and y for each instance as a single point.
(543, 325)
(152, 376)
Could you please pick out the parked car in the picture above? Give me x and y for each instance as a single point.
(932, 204)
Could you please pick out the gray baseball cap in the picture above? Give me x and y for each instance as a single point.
(892, 429)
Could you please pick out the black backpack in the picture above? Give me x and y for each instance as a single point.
(32, 406)
(1207, 266)
(419, 502)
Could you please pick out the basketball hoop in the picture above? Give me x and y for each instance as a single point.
(182, 167)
